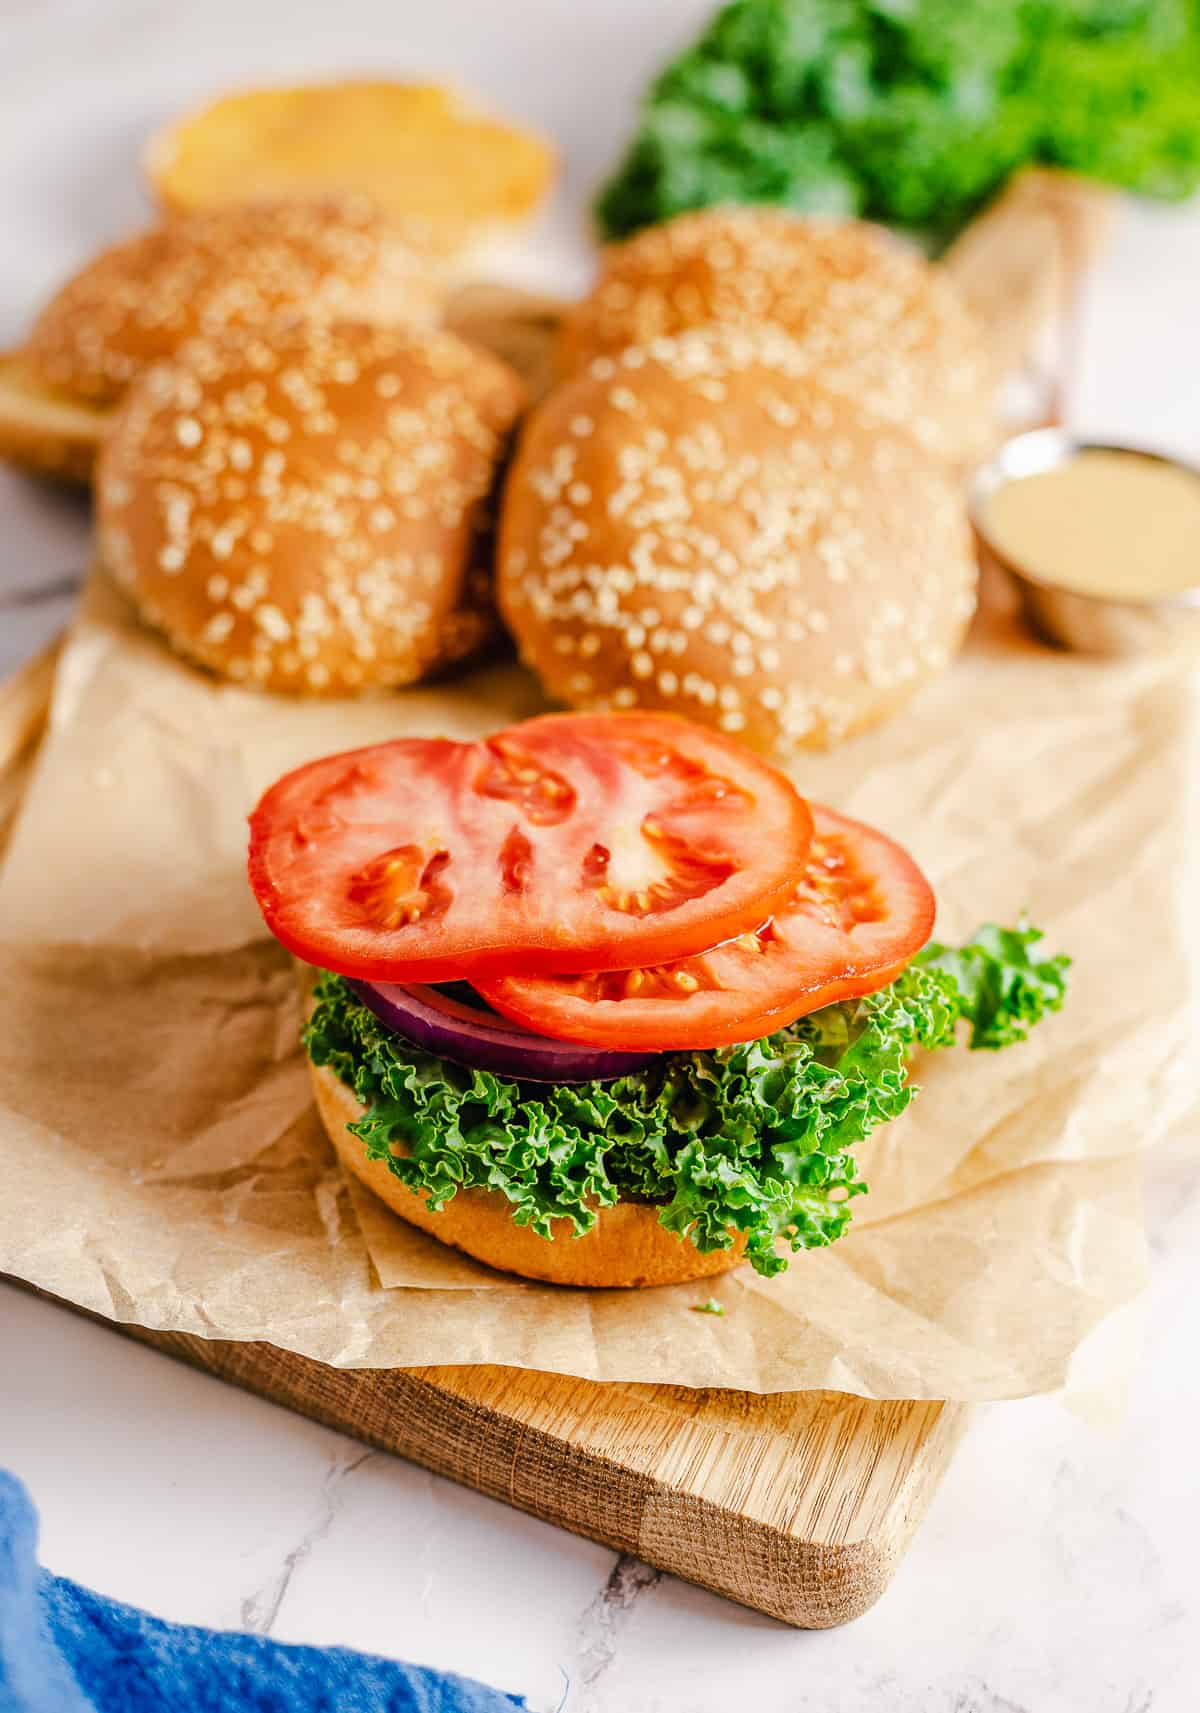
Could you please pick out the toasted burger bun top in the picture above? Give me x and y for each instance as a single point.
(702, 526)
(423, 153)
(857, 299)
(302, 509)
(227, 268)
(627, 1246)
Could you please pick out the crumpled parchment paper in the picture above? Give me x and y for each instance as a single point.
(162, 1162)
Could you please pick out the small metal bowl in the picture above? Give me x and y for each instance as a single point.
(1093, 624)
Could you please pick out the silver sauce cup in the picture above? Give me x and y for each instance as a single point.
(1093, 624)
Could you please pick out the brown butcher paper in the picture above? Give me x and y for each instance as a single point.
(162, 1162)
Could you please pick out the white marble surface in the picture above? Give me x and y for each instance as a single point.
(1056, 1572)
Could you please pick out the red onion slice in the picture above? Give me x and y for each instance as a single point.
(483, 1041)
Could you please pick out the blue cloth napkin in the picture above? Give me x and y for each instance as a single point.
(64, 1649)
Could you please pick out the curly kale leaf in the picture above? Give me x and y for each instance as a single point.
(1002, 990)
(756, 1139)
(913, 113)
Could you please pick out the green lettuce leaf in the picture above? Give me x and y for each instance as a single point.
(756, 1138)
(1002, 990)
(913, 111)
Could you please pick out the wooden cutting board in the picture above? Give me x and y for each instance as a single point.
(800, 1504)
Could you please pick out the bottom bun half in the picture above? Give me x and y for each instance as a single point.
(43, 432)
(626, 1247)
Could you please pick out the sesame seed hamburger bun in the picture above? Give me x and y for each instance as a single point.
(627, 1246)
(703, 526)
(140, 300)
(458, 177)
(305, 510)
(857, 299)
(237, 267)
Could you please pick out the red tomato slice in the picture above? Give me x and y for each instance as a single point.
(571, 842)
(861, 912)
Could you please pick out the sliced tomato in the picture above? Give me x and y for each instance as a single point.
(860, 912)
(571, 842)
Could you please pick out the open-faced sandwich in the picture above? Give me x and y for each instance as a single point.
(606, 1001)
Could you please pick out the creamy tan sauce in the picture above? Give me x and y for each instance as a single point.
(1104, 523)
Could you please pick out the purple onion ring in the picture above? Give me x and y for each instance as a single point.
(483, 1041)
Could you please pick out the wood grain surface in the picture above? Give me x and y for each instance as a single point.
(798, 1504)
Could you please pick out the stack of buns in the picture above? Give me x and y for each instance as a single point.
(295, 462)
(743, 499)
(701, 525)
(738, 499)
